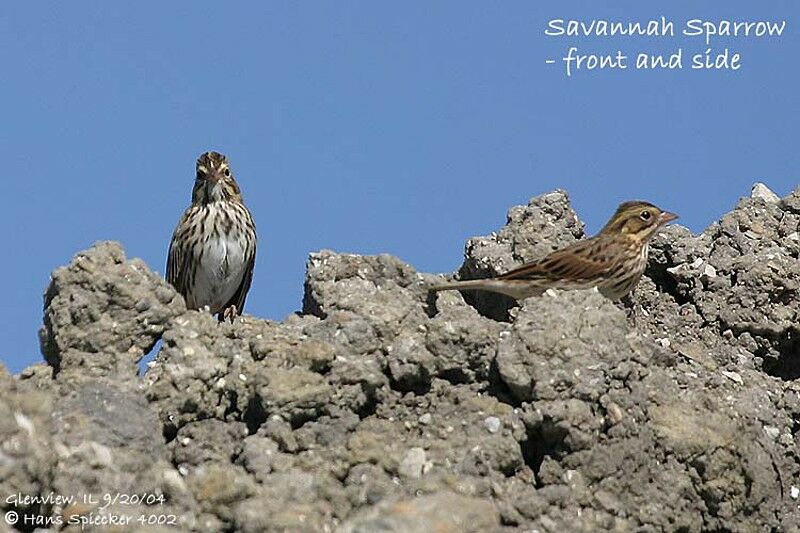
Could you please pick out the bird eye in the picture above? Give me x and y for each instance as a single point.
(645, 215)
(227, 173)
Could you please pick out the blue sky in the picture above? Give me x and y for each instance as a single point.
(362, 127)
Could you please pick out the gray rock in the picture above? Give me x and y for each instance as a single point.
(103, 313)
(442, 512)
(378, 288)
(108, 443)
(383, 408)
(26, 443)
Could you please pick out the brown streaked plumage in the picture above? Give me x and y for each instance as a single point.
(613, 260)
(213, 249)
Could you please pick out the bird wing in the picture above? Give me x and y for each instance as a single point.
(584, 260)
(176, 271)
(174, 261)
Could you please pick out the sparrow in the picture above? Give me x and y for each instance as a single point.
(613, 260)
(213, 249)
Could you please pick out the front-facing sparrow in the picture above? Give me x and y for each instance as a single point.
(613, 260)
(213, 250)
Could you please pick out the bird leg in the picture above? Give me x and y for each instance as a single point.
(229, 313)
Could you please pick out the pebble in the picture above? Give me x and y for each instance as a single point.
(615, 413)
(425, 419)
(142, 305)
(733, 376)
(492, 423)
(25, 423)
(413, 463)
(760, 190)
(607, 500)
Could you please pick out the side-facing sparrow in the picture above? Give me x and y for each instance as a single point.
(613, 260)
(213, 250)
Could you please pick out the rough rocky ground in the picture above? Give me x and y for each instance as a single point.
(381, 408)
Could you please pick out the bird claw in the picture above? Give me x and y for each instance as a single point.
(230, 313)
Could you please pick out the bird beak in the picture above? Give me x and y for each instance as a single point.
(665, 217)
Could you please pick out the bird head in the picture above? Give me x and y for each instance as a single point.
(637, 220)
(214, 181)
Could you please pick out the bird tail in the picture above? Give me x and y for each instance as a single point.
(515, 290)
(459, 285)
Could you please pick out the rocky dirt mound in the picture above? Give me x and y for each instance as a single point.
(382, 408)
